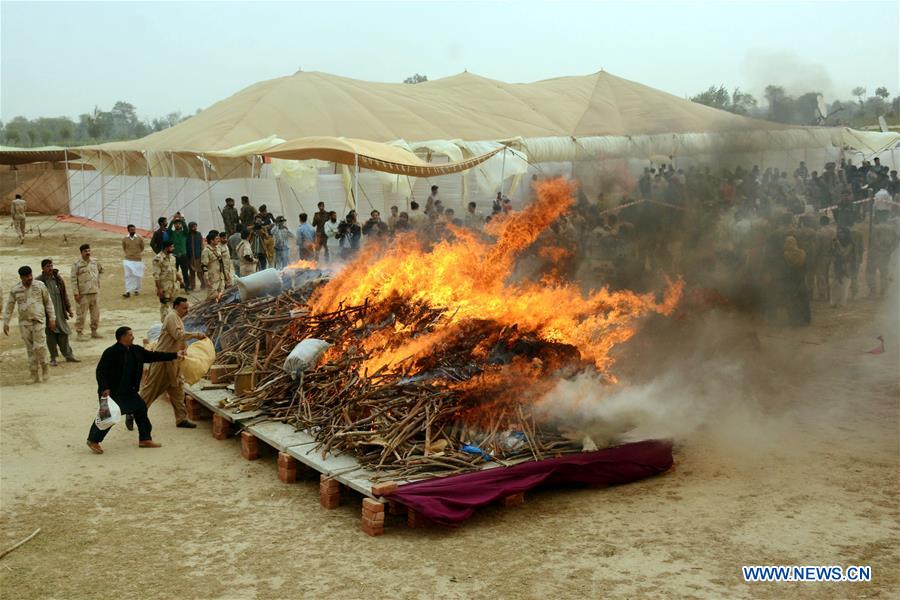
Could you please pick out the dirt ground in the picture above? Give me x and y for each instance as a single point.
(194, 520)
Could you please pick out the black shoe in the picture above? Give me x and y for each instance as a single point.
(187, 424)
(126, 295)
(129, 422)
(72, 359)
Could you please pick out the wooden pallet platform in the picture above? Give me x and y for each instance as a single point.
(336, 470)
(299, 444)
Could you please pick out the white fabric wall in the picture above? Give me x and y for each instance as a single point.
(121, 200)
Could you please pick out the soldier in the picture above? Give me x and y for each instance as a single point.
(166, 377)
(57, 337)
(166, 277)
(35, 308)
(215, 266)
(85, 276)
(230, 217)
(245, 255)
(17, 210)
(248, 213)
(225, 250)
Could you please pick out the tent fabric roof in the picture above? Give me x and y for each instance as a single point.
(10, 155)
(371, 155)
(464, 106)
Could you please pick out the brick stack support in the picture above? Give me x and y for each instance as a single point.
(415, 520)
(287, 468)
(195, 410)
(249, 446)
(513, 500)
(329, 492)
(221, 427)
(372, 517)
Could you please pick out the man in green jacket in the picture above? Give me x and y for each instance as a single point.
(179, 236)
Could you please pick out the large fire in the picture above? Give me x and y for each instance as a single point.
(440, 350)
(470, 279)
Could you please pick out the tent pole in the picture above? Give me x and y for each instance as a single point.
(356, 181)
(252, 173)
(206, 180)
(502, 171)
(175, 199)
(68, 187)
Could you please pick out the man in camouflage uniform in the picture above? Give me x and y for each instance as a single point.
(225, 251)
(884, 240)
(17, 211)
(230, 217)
(85, 276)
(166, 277)
(35, 308)
(215, 266)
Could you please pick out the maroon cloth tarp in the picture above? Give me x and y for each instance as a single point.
(452, 500)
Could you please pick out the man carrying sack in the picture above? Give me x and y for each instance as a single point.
(165, 378)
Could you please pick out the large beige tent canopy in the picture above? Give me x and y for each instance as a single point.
(587, 117)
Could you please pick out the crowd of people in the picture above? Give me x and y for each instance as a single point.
(767, 241)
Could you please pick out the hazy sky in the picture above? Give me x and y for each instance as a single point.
(65, 58)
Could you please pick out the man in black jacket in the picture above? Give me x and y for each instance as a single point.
(160, 236)
(119, 375)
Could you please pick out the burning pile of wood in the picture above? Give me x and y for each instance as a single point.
(438, 350)
(417, 418)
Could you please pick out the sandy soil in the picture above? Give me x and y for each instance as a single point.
(194, 520)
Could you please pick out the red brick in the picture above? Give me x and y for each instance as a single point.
(221, 427)
(513, 499)
(286, 475)
(330, 500)
(373, 506)
(384, 488)
(373, 530)
(249, 446)
(286, 460)
(327, 483)
(373, 519)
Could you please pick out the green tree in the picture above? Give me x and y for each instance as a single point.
(416, 79)
(860, 92)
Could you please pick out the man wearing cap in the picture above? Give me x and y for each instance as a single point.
(166, 277)
(85, 278)
(35, 308)
(283, 237)
(245, 255)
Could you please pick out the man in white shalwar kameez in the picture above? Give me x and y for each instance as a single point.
(133, 265)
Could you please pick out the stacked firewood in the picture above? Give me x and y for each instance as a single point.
(438, 413)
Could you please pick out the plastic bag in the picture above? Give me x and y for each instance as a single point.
(115, 413)
(305, 355)
(198, 358)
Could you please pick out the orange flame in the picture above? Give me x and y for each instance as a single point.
(469, 278)
(303, 264)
